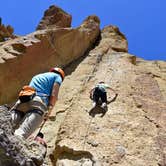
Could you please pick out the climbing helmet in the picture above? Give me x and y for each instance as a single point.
(59, 71)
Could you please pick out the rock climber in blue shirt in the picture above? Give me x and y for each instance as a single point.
(33, 112)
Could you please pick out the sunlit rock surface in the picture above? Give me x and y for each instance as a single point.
(130, 133)
(37, 52)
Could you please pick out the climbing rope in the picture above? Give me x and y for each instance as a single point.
(87, 79)
(87, 132)
(98, 59)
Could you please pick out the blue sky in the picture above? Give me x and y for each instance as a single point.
(142, 21)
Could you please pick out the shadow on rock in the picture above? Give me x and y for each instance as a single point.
(98, 110)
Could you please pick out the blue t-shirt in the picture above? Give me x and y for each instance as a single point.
(43, 83)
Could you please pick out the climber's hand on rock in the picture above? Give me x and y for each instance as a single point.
(47, 115)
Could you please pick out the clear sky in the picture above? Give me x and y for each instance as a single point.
(142, 21)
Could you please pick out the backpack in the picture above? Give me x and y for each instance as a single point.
(26, 94)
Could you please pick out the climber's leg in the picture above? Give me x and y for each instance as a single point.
(32, 121)
(16, 117)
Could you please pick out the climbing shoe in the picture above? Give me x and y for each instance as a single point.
(94, 104)
(104, 105)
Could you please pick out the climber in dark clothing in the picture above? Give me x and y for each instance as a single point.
(99, 94)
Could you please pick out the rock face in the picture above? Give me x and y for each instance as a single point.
(54, 17)
(15, 151)
(5, 31)
(26, 56)
(132, 131)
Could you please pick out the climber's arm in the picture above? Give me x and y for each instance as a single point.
(53, 97)
(91, 93)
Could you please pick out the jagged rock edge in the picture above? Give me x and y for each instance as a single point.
(59, 150)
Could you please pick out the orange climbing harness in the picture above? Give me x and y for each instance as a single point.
(26, 94)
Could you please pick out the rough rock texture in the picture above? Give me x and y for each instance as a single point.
(54, 17)
(13, 150)
(26, 56)
(132, 131)
(5, 31)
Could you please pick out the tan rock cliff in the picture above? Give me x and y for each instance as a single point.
(54, 16)
(26, 56)
(5, 31)
(132, 132)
